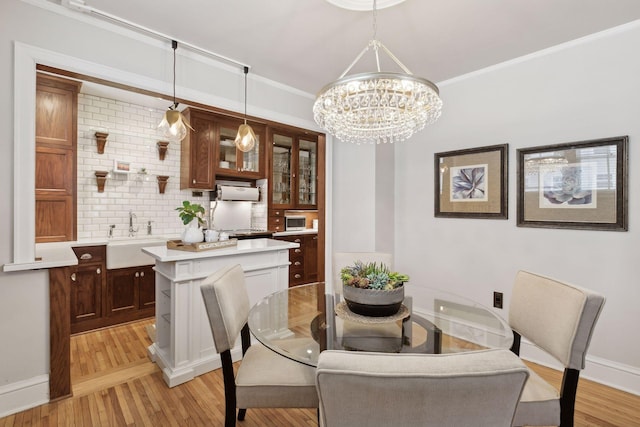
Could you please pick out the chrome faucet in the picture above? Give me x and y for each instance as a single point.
(132, 230)
(111, 227)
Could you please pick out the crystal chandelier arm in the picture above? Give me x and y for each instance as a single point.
(355, 61)
(392, 56)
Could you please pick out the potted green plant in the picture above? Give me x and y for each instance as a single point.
(189, 212)
(372, 289)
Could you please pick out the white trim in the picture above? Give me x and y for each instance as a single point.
(603, 371)
(543, 52)
(21, 395)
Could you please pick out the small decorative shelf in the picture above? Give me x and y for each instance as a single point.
(162, 183)
(101, 141)
(101, 178)
(162, 149)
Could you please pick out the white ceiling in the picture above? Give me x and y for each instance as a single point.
(308, 43)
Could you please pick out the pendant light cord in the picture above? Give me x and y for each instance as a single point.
(174, 45)
(246, 71)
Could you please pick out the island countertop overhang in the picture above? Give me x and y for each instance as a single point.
(164, 254)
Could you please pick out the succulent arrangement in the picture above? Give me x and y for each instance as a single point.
(190, 211)
(372, 276)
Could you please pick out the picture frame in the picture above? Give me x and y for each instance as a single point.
(472, 183)
(578, 185)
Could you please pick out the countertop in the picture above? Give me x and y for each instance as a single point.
(60, 254)
(296, 232)
(163, 254)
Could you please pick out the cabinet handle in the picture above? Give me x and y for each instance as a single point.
(142, 274)
(297, 276)
(298, 250)
(73, 277)
(277, 220)
(193, 182)
(137, 274)
(98, 270)
(86, 256)
(315, 237)
(297, 263)
(298, 240)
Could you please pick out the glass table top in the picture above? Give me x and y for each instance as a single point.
(302, 321)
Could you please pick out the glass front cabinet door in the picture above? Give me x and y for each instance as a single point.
(294, 174)
(232, 162)
(307, 173)
(282, 166)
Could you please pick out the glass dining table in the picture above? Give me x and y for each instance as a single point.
(302, 321)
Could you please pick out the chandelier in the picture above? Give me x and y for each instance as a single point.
(377, 107)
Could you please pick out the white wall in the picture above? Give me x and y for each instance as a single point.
(581, 91)
(90, 45)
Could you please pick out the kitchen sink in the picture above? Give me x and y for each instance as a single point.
(124, 253)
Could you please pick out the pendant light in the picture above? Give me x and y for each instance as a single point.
(174, 124)
(377, 107)
(246, 138)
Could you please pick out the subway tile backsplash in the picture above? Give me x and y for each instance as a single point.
(132, 138)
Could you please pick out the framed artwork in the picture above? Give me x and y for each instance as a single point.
(472, 183)
(579, 185)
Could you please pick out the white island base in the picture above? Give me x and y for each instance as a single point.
(183, 346)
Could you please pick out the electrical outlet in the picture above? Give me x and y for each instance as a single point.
(497, 299)
(196, 194)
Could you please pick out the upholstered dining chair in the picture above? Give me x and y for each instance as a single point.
(478, 389)
(264, 379)
(344, 259)
(558, 318)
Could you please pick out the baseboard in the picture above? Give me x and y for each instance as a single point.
(21, 395)
(603, 371)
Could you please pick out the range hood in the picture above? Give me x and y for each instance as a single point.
(236, 193)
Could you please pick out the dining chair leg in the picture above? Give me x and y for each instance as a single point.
(229, 389)
(241, 413)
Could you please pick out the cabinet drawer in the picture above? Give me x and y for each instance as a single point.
(90, 254)
(276, 228)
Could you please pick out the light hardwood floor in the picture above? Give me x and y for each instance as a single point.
(114, 384)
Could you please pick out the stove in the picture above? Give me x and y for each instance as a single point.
(249, 233)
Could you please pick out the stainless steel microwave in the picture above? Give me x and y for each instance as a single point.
(295, 222)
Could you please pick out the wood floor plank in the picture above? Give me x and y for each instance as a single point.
(115, 384)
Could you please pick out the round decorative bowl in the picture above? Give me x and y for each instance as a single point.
(373, 302)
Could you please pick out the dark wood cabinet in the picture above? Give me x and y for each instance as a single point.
(87, 288)
(101, 297)
(130, 293)
(294, 170)
(311, 258)
(209, 151)
(197, 151)
(55, 180)
(304, 259)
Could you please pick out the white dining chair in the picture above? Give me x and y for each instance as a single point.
(479, 389)
(559, 318)
(264, 378)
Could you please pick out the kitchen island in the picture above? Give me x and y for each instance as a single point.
(183, 346)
